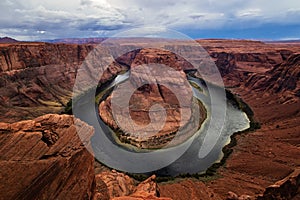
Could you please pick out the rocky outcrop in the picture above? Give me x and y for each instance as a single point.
(286, 188)
(233, 196)
(168, 88)
(119, 186)
(115, 184)
(45, 159)
(145, 191)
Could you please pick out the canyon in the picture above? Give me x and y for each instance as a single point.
(36, 83)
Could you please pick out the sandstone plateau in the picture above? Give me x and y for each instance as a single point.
(42, 158)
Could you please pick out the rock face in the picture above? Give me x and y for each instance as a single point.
(24, 55)
(37, 79)
(32, 92)
(45, 159)
(269, 154)
(286, 188)
(283, 78)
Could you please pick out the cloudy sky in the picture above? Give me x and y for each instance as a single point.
(50, 19)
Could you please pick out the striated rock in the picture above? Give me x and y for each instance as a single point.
(286, 188)
(117, 184)
(37, 91)
(24, 55)
(188, 189)
(45, 159)
(27, 92)
(145, 190)
(282, 78)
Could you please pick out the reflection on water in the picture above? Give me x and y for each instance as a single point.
(190, 161)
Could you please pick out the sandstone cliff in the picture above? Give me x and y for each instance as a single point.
(37, 79)
(45, 159)
(283, 78)
(25, 55)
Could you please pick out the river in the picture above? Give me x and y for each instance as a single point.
(181, 159)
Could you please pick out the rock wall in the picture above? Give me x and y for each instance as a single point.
(21, 56)
(282, 78)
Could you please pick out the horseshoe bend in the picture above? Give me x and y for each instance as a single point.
(36, 84)
(142, 126)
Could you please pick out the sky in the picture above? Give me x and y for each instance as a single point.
(239, 19)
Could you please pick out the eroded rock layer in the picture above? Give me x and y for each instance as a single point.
(45, 159)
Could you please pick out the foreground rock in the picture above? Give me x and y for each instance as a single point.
(118, 186)
(188, 189)
(45, 159)
(286, 188)
(110, 184)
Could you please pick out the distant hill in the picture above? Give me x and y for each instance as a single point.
(77, 40)
(7, 40)
(283, 41)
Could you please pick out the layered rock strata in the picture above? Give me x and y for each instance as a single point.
(45, 159)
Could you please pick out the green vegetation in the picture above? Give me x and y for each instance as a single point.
(79, 99)
(240, 104)
(193, 84)
(49, 103)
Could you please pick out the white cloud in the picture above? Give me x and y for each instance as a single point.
(256, 12)
(82, 18)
